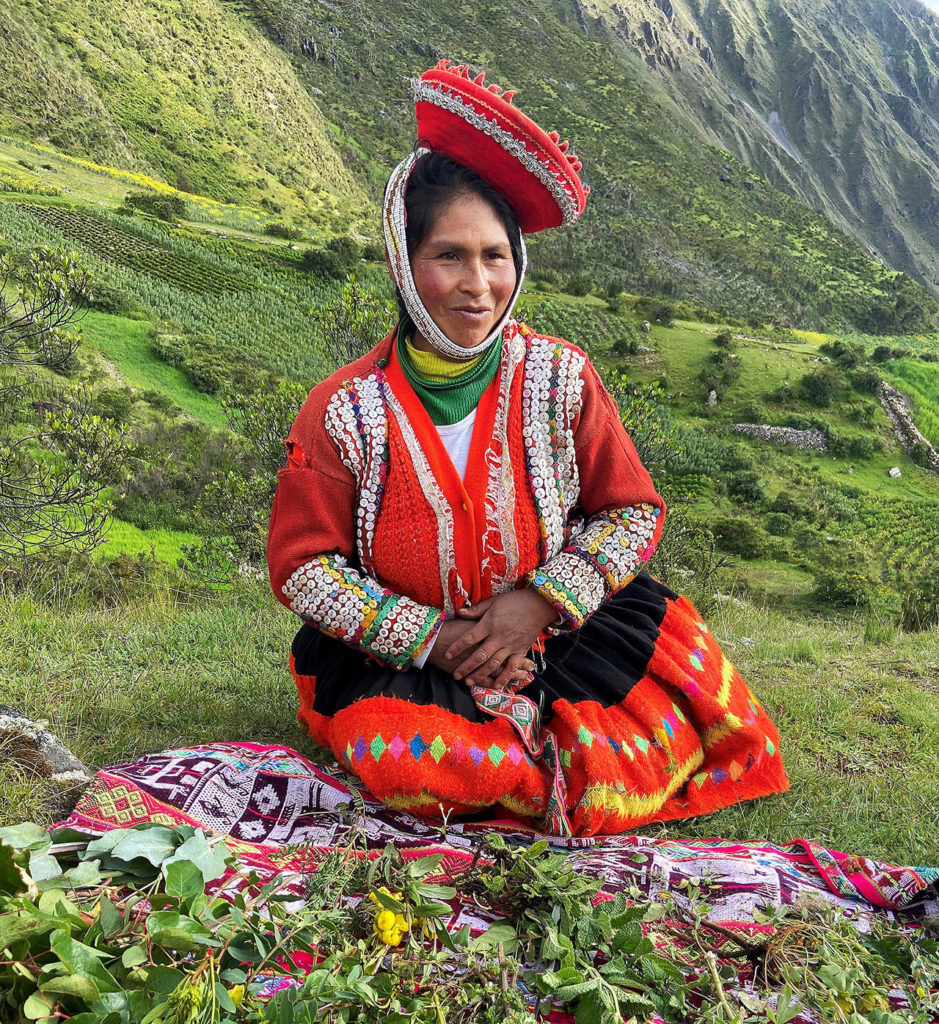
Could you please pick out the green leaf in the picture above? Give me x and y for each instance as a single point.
(14, 878)
(209, 858)
(162, 980)
(425, 865)
(133, 956)
(223, 998)
(37, 1007)
(154, 845)
(568, 993)
(432, 910)
(26, 836)
(628, 939)
(172, 930)
(105, 843)
(71, 985)
(183, 879)
(77, 958)
(23, 925)
(44, 868)
(110, 917)
(390, 903)
(500, 931)
(85, 875)
(437, 892)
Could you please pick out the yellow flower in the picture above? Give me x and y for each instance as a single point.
(385, 920)
(237, 994)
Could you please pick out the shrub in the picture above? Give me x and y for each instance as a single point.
(848, 587)
(170, 208)
(114, 404)
(725, 339)
(881, 354)
(747, 486)
(697, 454)
(346, 250)
(736, 456)
(687, 558)
(919, 601)
(778, 524)
(579, 285)
(373, 252)
(799, 421)
(844, 353)
(277, 229)
(867, 381)
(624, 347)
(820, 387)
(858, 447)
(323, 263)
(740, 537)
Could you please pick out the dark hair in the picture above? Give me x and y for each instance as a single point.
(434, 182)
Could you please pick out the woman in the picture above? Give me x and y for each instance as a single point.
(462, 506)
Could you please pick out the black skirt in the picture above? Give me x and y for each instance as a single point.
(601, 662)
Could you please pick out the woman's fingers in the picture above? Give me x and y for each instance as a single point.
(470, 639)
(513, 675)
(474, 611)
(490, 665)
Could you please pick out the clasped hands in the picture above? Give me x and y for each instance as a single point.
(487, 644)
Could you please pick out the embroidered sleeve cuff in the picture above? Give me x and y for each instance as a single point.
(599, 562)
(357, 610)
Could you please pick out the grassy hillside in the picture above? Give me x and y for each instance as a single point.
(193, 95)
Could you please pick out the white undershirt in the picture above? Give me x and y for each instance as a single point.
(456, 439)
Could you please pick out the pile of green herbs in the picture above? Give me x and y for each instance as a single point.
(122, 929)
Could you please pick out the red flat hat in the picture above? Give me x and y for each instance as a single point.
(478, 126)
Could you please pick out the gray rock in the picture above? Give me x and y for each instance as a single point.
(895, 473)
(32, 746)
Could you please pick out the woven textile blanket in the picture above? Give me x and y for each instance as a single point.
(269, 799)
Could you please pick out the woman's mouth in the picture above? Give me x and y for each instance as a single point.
(473, 314)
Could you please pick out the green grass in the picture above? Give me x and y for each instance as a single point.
(126, 539)
(125, 343)
(859, 720)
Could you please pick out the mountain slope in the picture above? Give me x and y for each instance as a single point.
(667, 214)
(836, 101)
(310, 119)
(193, 94)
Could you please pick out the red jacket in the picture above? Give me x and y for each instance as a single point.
(375, 539)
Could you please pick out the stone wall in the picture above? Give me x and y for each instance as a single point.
(811, 439)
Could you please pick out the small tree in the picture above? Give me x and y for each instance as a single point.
(52, 474)
(235, 506)
(353, 322)
(647, 420)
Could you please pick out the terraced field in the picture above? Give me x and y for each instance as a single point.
(118, 245)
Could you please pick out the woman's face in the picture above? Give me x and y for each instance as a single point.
(464, 272)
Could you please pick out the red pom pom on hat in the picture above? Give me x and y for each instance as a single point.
(477, 125)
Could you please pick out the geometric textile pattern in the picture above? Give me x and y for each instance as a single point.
(313, 807)
(281, 814)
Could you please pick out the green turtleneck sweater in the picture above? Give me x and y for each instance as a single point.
(451, 400)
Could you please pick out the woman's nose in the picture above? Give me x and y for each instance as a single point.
(474, 278)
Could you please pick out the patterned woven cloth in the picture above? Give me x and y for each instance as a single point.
(268, 799)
